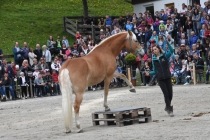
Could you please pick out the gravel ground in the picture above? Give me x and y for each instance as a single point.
(41, 118)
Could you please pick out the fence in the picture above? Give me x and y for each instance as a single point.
(76, 23)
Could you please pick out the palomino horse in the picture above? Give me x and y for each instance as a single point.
(100, 64)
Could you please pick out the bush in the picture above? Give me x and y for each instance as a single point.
(130, 59)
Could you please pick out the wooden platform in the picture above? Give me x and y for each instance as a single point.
(122, 116)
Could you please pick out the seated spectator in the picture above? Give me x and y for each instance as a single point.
(156, 25)
(154, 37)
(179, 34)
(68, 51)
(56, 82)
(142, 25)
(193, 39)
(26, 68)
(6, 82)
(199, 66)
(23, 82)
(169, 27)
(49, 86)
(194, 50)
(107, 32)
(115, 22)
(85, 49)
(91, 45)
(202, 33)
(141, 36)
(208, 68)
(162, 42)
(39, 86)
(145, 78)
(36, 72)
(2, 92)
(35, 64)
(55, 65)
(183, 40)
(189, 70)
(78, 35)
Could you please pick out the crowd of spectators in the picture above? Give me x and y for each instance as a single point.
(36, 71)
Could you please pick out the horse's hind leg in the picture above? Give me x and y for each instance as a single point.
(123, 77)
(77, 103)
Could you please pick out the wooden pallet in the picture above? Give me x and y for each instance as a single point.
(122, 116)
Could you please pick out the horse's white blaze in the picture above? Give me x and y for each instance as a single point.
(66, 90)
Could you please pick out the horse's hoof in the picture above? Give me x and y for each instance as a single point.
(132, 90)
(68, 131)
(80, 131)
(108, 109)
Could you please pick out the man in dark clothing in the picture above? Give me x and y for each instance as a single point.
(1, 54)
(199, 66)
(38, 52)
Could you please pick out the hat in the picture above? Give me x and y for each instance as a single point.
(176, 55)
(21, 73)
(198, 40)
(101, 30)
(17, 66)
(161, 21)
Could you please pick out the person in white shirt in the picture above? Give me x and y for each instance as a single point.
(55, 65)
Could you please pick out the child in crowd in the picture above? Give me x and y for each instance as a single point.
(55, 81)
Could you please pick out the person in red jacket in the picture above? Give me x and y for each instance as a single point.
(207, 32)
(56, 82)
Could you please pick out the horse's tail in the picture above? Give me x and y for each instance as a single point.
(66, 90)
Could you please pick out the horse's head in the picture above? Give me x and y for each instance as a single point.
(132, 45)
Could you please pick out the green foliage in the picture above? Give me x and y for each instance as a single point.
(130, 59)
(34, 20)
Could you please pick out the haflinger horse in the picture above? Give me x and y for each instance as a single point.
(100, 64)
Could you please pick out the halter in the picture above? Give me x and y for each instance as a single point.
(130, 43)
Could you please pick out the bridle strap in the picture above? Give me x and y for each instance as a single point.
(130, 43)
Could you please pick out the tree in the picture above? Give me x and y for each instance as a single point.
(85, 8)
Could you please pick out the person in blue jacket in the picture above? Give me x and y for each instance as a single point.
(160, 68)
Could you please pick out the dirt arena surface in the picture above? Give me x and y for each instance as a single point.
(41, 118)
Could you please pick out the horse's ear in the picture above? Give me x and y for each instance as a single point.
(130, 32)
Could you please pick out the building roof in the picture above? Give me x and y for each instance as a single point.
(138, 1)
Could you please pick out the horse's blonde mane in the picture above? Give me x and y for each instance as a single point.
(106, 40)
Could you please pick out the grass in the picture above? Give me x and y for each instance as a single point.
(33, 21)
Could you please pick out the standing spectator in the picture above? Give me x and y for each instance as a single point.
(1, 54)
(189, 69)
(65, 40)
(107, 32)
(58, 44)
(31, 56)
(121, 22)
(47, 55)
(115, 22)
(51, 45)
(140, 18)
(207, 32)
(135, 25)
(25, 51)
(202, 33)
(189, 11)
(17, 54)
(199, 66)
(182, 15)
(196, 21)
(149, 20)
(179, 34)
(108, 21)
(162, 42)
(38, 52)
(156, 25)
(193, 39)
(101, 23)
(188, 27)
(175, 23)
(128, 17)
(208, 68)
(23, 82)
(169, 27)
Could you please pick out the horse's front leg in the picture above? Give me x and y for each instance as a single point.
(77, 103)
(106, 90)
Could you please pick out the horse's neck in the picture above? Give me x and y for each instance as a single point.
(115, 44)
